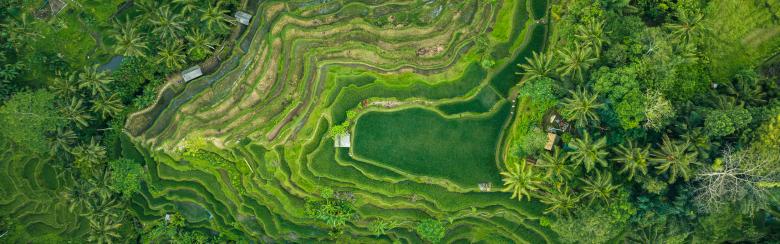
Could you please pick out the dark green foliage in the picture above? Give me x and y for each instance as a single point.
(596, 224)
(431, 230)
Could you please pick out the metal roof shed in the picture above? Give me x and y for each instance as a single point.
(243, 17)
(341, 140)
(191, 73)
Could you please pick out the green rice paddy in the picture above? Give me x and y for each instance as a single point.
(427, 130)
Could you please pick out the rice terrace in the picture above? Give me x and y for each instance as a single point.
(390, 121)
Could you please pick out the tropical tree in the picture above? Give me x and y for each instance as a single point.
(593, 33)
(77, 196)
(94, 80)
(559, 200)
(688, 27)
(103, 229)
(129, 41)
(21, 31)
(520, 180)
(633, 158)
(107, 106)
(599, 187)
(75, 113)
(171, 55)
(89, 155)
(200, 44)
(588, 152)
(215, 18)
(62, 140)
(167, 24)
(187, 6)
(677, 158)
(540, 65)
(581, 107)
(574, 62)
(556, 166)
(65, 86)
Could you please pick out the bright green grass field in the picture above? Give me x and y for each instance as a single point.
(421, 142)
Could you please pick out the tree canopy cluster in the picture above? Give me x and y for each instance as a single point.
(666, 146)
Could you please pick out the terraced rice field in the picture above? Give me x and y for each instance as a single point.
(432, 110)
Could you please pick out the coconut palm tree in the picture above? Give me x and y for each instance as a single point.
(171, 55)
(520, 180)
(688, 27)
(559, 200)
(62, 140)
(75, 113)
(540, 65)
(167, 24)
(77, 196)
(21, 31)
(574, 62)
(186, 6)
(65, 86)
(633, 158)
(94, 80)
(588, 152)
(200, 44)
(677, 158)
(215, 18)
(129, 41)
(103, 229)
(89, 155)
(557, 167)
(599, 187)
(107, 106)
(581, 107)
(592, 32)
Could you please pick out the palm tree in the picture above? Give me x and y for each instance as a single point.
(62, 140)
(541, 65)
(688, 27)
(187, 6)
(21, 31)
(633, 158)
(556, 166)
(103, 229)
(171, 55)
(107, 106)
(77, 196)
(520, 180)
(89, 155)
(166, 24)
(94, 80)
(574, 62)
(559, 200)
(589, 152)
(215, 18)
(65, 86)
(599, 187)
(592, 32)
(129, 42)
(201, 45)
(677, 158)
(74, 112)
(581, 107)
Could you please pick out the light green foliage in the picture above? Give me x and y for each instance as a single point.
(622, 90)
(27, 117)
(431, 230)
(725, 122)
(521, 180)
(658, 111)
(334, 212)
(531, 143)
(126, 176)
(581, 108)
